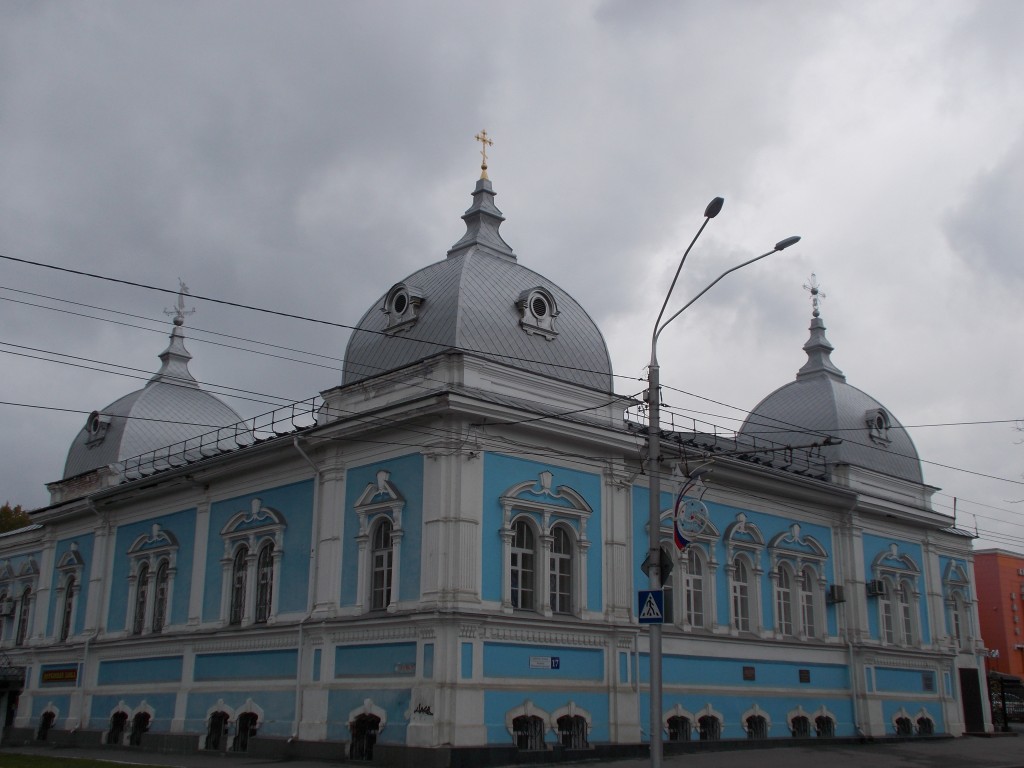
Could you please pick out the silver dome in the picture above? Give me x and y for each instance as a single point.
(171, 408)
(820, 403)
(479, 300)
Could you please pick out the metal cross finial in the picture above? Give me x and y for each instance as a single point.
(485, 142)
(816, 294)
(180, 312)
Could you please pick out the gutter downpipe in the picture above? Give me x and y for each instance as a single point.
(315, 579)
(854, 692)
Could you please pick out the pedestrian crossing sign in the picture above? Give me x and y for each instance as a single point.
(652, 606)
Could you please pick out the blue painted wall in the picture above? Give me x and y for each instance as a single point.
(387, 660)
(697, 670)
(407, 478)
(501, 473)
(183, 526)
(509, 660)
(295, 503)
(61, 702)
(160, 669)
(258, 665)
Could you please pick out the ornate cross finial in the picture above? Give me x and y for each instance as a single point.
(485, 142)
(180, 312)
(816, 294)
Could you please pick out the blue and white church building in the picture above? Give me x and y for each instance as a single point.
(442, 554)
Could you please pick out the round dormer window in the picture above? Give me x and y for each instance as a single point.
(400, 302)
(539, 305)
(93, 424)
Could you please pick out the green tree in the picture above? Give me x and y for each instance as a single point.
(12, 518)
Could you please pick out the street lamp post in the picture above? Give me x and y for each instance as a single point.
(654, 470)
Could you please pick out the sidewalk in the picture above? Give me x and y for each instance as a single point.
(965, 752)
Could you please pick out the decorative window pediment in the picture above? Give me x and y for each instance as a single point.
(791, 545)
(743, 534)
(156, 542)
(893, 562)
(71, 560)
(380, 497)
(6, 571)
(29, 568)
(537, 312)
(257, 520)
(538, 496)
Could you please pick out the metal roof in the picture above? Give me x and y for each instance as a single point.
(171, 408)
(479, 299)
(820, 403)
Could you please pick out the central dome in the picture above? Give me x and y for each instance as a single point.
(479, 300)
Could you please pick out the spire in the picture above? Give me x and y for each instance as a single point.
(174, 359)
(483, 217)
(818, 348)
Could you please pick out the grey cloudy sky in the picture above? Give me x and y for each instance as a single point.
(305, 156)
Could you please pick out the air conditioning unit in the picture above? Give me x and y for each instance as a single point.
(835, 594)
(876, 588)
(6, 607)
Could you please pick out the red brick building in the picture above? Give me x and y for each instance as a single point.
(999, 576)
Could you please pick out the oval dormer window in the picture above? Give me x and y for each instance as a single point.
(539, 305)
(402, 306)
(400, 302)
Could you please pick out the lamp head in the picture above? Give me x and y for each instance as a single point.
(784, 244)
(714, 207)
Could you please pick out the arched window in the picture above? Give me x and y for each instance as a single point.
(364, 731)
(824, 726)
(141, 598)
(904, 726)
(239, 576)
(710, 728)
(885, 610)
(140, 724)
(784, 601)
(808, 612)
(561, 571)
(247, 724)
(572, 732)
(24, 608)
(925, 726)
(801, 727)
(678, 728)
(216, 730)
(382, 562)
(741, 589)
(757, 727)
(160, 599)
(118, 722)
(45, 724)
(522, 565)
(694, 587)
(68, 609)
(905, 602)
(528, 732)
(264, 582)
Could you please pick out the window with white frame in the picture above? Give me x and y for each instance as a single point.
(152, 558)
(695, 586)
(741, 589)
(17, 587)
(522, 568)
(24, 616)
(382, 562)
(898, 603)
(379, 539)
(70, 569)
(798, 562)
(545, 545)
(744, 546)
(956, 592)
(250, 567)
(690, 589)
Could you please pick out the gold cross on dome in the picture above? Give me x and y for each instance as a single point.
(816, 294)
(485, 142)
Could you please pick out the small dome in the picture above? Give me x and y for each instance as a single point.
(820, 403)
(171, 408)
(480, 300)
